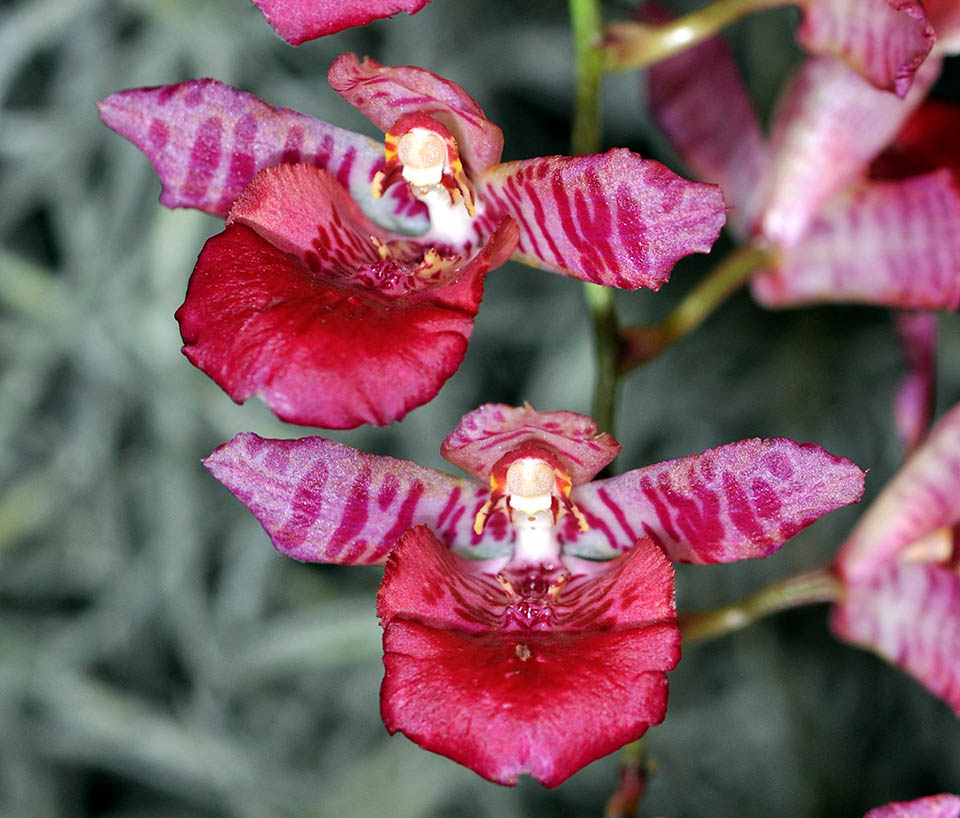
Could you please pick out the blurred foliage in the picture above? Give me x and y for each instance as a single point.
(158, 659)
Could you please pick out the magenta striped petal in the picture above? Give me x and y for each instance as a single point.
(613, 218)
(465, 679)
(933, 806)
(739, 501)
(486, 434)
(885, 40)
(207, 140)
(300, 20)
(894, 244)
(908, 613)
(922, 497)
(700, 102)
(320, 501)
(384, 93)
(913, 405)
(830, 125)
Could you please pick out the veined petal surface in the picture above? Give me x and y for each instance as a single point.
(320, 501)
(884, 40)
(486, 434)
(922, 497)
(384, 93)
(700, 102)
(914, 402)
(613, 219)
(739, 501)
(321, 352)
(894, 244)
(504, 701)
(830, 125)
(908, 613)
(207, 140)
(300, 20)
(933, 806)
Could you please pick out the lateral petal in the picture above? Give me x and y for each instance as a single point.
(909, 614)
(933, 806)
(895, 244)
(913, 405)
(505, 702)
(613, 219)
(884, 40)
(486, 434)
(207, 140)
(923, 497)
(384, 93)
(300, 20)
(739, 501)
(320, 501)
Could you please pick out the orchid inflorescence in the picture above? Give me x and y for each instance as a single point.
(528, 611)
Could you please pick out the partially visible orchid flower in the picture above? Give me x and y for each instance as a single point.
(900, 568)
(835, 234)
(933, 806)
(528, 612)
(344, 287)
(300, 20)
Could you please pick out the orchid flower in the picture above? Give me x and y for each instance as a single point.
(300, 20)
(933, 806)
(835, 234)
(528, 612)
(344, 287)
(900, 568)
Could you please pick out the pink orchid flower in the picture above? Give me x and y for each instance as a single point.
(886, 41)
(837, 235)
(933, 806)
(300, 20)
(901, 568)
(528, 612)
(344, 287)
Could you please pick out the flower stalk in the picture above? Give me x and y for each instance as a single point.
(810, 588)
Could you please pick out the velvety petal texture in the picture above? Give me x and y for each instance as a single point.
(739, 501)
(914, 402)
(612, 219)
(505, 700)
(300, 20)
(384, 93)
(934, 806)
(891, 243)
(207, 140)
(486, 434)
(923, 497)
(885, 40)
(320, 501)
(908, 613)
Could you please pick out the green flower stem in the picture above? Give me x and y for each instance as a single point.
(632, 45)
(641, 344)
(586, 20)
(804, 589)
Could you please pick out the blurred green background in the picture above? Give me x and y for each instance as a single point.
(157, 658)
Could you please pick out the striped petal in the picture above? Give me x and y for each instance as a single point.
(384, 93)
(913, 405)
(613, 219)
(486, 434)
(908, 613)
(207, 140)
(831, 123)
(300, 20)
(324, 344)
(923, 497)
(700, 102)
(320, 501)
(933, 806)
(884, 40)
(739, 501)
(894, 244)
(504, 700)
